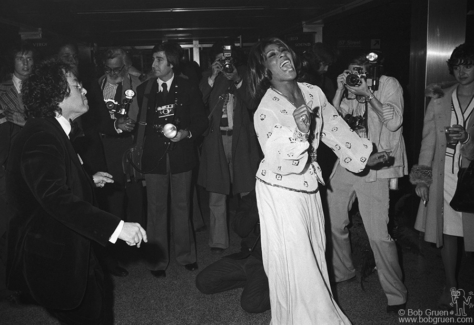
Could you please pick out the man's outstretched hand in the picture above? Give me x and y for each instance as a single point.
(133, 234)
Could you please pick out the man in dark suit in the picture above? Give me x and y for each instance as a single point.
(169, 156)
(50, 253)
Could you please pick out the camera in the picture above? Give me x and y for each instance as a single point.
(372, 74)
(168, 130)
(354, 77)
(120, 108)
(227, 61)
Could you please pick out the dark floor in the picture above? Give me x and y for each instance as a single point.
(142, 299)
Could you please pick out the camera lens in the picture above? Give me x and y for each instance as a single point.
(228, 68)
(353, 80)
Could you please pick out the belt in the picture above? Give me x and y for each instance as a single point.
(227, 132)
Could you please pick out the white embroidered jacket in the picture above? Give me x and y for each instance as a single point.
(287, 162)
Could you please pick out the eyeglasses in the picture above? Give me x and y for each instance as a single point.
(113, 70)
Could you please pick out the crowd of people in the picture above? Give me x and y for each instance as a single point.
(249, 128)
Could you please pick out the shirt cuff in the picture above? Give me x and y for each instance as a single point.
(116, 128)
(300, 136)
(239, 84)
(118, 230)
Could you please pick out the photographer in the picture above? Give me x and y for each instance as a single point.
(375, 103)
(175, 117)
(230, 156)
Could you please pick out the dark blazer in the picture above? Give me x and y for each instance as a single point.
(55, 220)
(214, 173)
(189, 114)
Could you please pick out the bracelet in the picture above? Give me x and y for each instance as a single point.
(370, 97)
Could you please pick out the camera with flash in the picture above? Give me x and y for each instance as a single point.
(120, 108)
(227, 61)
(372, 75)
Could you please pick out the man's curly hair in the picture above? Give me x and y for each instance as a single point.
(45, 88)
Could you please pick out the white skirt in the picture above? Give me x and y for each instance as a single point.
(293, 251)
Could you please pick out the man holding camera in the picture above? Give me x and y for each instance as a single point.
(230, 152)
(124, 198)
(376, 103)
(175, 116)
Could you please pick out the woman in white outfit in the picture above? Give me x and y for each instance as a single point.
(290, 121)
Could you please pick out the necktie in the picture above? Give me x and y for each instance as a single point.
(164, 90)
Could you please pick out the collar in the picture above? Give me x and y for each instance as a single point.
(17, 83)
(64, 124)
(168, 83)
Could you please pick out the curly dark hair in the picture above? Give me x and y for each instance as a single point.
(45, 88)
(462, 55)
(259, 75)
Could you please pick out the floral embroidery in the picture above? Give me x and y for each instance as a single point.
(278, 177)
(363, 159)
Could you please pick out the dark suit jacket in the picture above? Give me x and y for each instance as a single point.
(55, 220)
(189, 115)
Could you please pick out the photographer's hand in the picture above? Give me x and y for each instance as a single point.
(216, 69)
(361, 90)
(180, 135)
(125, 123)
(341, 80)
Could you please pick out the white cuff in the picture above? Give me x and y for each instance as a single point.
(116, 128)
(118, 230)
